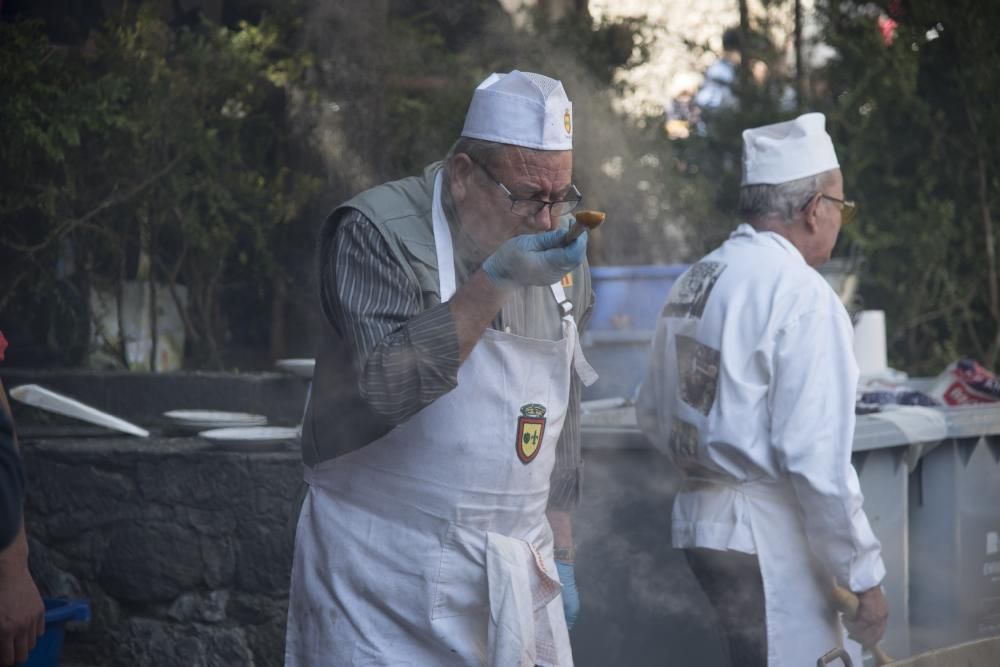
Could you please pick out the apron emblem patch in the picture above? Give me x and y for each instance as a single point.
(567, 280)
(530, 431)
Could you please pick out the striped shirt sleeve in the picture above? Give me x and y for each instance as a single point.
(406, 355)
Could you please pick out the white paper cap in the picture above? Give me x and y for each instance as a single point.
(522, 109)
(787, 151)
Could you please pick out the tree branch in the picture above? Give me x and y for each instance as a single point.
(923, 318)
(112, 200)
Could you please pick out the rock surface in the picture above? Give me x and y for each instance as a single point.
(183, 551)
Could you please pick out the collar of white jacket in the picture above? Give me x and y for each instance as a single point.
(787, 151)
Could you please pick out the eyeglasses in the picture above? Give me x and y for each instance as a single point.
(529, 208)
(848, 209)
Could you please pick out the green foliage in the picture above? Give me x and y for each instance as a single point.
(918, 130)
(149, 153)
(427, 96)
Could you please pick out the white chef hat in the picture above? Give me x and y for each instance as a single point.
(787, 151)
(522, 109)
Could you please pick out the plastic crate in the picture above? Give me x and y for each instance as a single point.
(884, 481)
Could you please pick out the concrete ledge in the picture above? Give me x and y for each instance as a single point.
(143, 397)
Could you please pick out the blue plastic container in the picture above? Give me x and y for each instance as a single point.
(628, 303)
(57, 614)
(629, 298)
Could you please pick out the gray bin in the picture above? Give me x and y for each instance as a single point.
(955, 543)
(883, 477)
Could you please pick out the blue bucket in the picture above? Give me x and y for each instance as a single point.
(57, 614)
(630, 298)
(617, 339)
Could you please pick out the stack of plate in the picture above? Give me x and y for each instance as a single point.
(202, 420)
(252, 439)
(301, 367)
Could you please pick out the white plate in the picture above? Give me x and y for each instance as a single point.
(46, 399)
(252, 438)
(303, 367)
(199, 420)
(599, 404)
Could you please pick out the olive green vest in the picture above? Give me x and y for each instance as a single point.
(338, 420)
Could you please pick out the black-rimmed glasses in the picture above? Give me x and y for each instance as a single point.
(529, 208)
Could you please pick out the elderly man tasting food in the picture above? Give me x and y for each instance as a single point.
(751, 392)
(441, 439)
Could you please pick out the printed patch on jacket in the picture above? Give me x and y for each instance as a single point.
(530, 431)
(567, 280)
(698, 369)
(690, 294)
(684, 444)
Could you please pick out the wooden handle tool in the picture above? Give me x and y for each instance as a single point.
(847, 603)
(585, 220)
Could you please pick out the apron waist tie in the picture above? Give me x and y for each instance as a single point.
(760, 488)
(583, 368)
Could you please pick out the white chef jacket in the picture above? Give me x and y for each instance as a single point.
(752, 379)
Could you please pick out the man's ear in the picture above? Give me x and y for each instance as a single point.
(459, 173)
(810, 213)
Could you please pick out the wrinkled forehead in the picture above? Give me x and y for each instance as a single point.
(535, 169)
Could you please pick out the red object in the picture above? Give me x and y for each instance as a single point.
(3, 345)
(965, 383)
(887, 27)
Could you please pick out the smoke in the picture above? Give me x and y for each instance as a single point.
(640, 603)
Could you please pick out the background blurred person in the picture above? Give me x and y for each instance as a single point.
(22, 615)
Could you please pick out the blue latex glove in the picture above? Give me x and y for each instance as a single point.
(570, 596)
(534, 259)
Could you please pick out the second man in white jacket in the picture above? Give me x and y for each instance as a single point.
(751, 392)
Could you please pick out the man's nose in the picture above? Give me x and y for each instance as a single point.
(545, 220)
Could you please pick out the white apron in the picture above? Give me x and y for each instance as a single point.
(430, 546)
(802, 624)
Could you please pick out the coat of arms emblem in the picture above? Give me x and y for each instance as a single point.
(530, 431)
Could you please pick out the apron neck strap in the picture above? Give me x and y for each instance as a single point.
(442, 243)
(565, 305)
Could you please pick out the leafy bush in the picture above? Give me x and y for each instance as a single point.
(917, 126)
(150, 153)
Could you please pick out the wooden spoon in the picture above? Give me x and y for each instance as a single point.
(585, 221)
(847, 603)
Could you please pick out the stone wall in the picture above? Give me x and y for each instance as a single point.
(183, 552)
